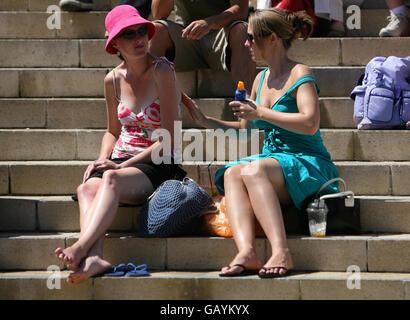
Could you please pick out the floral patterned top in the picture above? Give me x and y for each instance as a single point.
(137, 129)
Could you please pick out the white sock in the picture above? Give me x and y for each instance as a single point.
(400, 10)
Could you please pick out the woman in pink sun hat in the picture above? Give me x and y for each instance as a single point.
(141, 86)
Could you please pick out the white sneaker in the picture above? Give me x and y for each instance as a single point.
(76, 5)
(397, 27)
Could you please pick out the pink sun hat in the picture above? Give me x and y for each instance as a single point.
(122, 17)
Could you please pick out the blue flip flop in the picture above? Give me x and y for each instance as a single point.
(137, 271)
(117, 271)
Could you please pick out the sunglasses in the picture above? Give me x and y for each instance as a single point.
(132, 34)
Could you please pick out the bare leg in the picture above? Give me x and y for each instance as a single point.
(394, 3)
(86, 195)
(94, 263)
(243, 68)
(161, 42)
(337, 25)
(127, 185)
(266, 188)
(241, 219)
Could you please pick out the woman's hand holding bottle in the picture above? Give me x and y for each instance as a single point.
(247, 109)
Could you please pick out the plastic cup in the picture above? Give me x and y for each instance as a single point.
(317, 217)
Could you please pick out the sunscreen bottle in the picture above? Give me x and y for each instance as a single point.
(240, 93)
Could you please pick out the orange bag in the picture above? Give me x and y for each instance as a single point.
(216, 221)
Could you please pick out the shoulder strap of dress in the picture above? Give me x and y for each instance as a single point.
(260, 84)
(115, 87)
(304, 79)
(164, 60)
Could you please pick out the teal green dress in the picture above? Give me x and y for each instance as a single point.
(305, 162)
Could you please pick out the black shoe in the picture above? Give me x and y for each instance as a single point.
(76, 5)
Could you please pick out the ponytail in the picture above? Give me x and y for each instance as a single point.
(287, 25)
(302, 24)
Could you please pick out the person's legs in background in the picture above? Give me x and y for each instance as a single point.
(242, 66)
(76, 5)
(161, 43)
(143, 6)
(331, 10)
(337, 27)
(398, 20)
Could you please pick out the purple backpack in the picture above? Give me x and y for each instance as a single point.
(382, 95)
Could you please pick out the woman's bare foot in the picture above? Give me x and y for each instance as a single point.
(90, 266)
(282, 259)
(71, 256)
(248, 259)
(73, 267)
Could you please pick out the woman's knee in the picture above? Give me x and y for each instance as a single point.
(253, 170)
(259, 170)
(87, 190)
(110, 178)
(233, 173)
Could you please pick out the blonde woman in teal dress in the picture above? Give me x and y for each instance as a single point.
(294, 163)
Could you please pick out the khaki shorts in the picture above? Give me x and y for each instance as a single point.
(210, 52)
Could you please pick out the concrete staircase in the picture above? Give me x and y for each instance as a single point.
(52, 117)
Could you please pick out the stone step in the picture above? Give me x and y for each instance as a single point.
(88, 82)
(371, 253)
(55, 213)
(91, 53)
(33, 25)
(90, 113)
(364, 4)
(90, 25)
(373, 4)
(63, 177)
(200, 144)
(42, 5)
(61, 214)
(173, 285)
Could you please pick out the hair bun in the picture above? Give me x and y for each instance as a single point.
(301, 22)
(287, 25)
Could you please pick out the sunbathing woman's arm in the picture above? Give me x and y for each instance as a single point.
(213, 123)
(113, 126)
